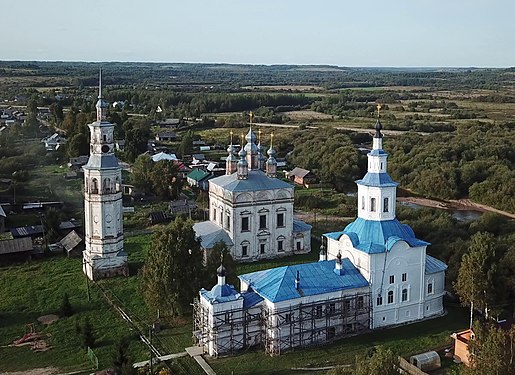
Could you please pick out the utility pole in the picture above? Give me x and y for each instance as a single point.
(151, 354)
(87, 278)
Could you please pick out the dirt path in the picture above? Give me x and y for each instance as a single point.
(310, 216)
(35, 371)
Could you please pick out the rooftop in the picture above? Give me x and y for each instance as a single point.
(377, 180)
(257, 180)
(210, 234)
(198, 174)
(372, 237)
(278, 284)
(434, 265)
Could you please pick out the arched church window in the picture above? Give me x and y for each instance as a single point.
(107, 185)
(385, 205)
(94, 186)
(404, 297)
(390, 296)
(372, 204)
(362, 202)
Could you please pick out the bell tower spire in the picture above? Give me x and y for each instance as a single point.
(101, 105)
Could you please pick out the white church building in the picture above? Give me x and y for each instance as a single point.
(251, 210)
(104, 255)
(373, 274)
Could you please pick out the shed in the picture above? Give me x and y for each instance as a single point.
(301, 176)
(16, 247)
(158, 217)
(71, 241)
(428, 361)
(166, 136)
(199, 157)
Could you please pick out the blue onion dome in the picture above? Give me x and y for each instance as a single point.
(378, 128)
(221, 270)
(251, 137)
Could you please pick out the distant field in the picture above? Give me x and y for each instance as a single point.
(307, 115)
(285, 88)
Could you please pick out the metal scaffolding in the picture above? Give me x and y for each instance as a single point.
(298, 325)
(226, 331)
(315, 323)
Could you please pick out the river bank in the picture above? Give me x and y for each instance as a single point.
(454, 204)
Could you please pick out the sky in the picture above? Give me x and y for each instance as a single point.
(371, 33)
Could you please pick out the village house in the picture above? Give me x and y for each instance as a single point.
(53, 142)
(165, 136)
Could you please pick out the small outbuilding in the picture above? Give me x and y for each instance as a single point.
(301, 176)
(428, 361)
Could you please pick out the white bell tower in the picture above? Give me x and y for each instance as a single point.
(377, 191)
(103, 210)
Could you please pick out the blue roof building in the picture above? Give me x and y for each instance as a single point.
(406, 284)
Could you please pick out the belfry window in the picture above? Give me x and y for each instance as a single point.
(373, 204)
(385, 205)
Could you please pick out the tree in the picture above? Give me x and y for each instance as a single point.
(186, 146)
(165, 180)
(122, 361)
(137, 134)
(88, 336)
(66, 307)
(172, 273)
(491, 351)
(382, 362)
(77, 145)
(56, 109)
(213, 262)
(477, 273)
(142, 173)
(51, 223)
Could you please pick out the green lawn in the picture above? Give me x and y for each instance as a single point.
(35, 288)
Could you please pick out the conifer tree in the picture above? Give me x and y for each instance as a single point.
(213, 262)
(66, 308)
(88, 336)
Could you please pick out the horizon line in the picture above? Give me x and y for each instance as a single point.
(268, 64)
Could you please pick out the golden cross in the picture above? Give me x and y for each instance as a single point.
(378, 110)
(251, 115)
(231, 136)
